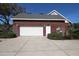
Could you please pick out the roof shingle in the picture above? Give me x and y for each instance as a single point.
(38, 16)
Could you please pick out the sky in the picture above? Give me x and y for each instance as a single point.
(69, 10)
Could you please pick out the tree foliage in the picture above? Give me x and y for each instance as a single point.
(76, 25)
(7, 10)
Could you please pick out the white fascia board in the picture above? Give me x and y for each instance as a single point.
(35, 19)
(60, 15)
(51, 12)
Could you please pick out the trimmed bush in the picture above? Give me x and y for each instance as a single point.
(8, 34)
(55, 36)
(75, 34)
(67, 37)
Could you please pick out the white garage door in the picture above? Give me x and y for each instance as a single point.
(31, 31)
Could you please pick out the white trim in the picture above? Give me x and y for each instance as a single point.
(48, 30)
(35, 19)
(59, 14)
(66, 21)
(52, 12)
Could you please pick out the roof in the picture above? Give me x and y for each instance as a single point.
(38, 16)
(53, 15)
(53, 12)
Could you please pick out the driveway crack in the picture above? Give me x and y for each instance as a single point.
(61, 49)
(21, 47)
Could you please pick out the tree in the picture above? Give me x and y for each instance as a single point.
(76, 25)
(7, 10)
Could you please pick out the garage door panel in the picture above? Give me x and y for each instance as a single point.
(31, 31)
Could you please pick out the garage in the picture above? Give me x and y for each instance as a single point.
(31, 31)
(39, 24)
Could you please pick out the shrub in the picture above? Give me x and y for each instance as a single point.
(67, 37)
(8, 34)
(55, 35)
(51, 35)
(75, 34)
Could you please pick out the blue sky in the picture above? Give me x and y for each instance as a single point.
(70, 11)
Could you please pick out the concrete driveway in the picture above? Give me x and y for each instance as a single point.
(38, 46)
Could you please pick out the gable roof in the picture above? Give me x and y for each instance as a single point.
(38, 16)
(54, 12)
(53, 15)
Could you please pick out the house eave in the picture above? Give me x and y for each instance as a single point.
(36, 19)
